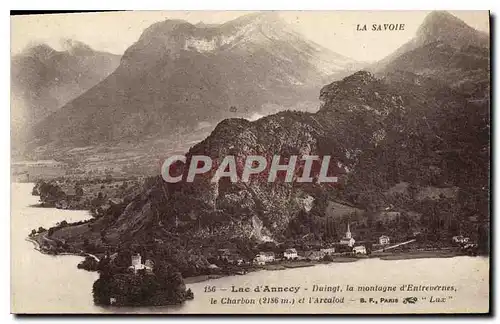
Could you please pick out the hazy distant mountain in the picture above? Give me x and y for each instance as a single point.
(43, 79)
(178, 75)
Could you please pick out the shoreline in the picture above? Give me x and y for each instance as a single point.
(279, 267)
(421, 255)
(38, 247)
(447, 252)
(35, 243)
(285, 265)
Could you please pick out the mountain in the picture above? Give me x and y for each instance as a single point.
(420, 132)
(43, 80)
(446, 49)
(256, 210)
(377, 139)
(444, 72)
(178, 76)
(441, 26)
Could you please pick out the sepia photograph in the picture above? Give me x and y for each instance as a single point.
(250, 162)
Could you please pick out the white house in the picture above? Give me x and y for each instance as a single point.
(149, 265)
(384, 240)
(328, 251)
(360, 249)
(460, 239)
(469, 246)
(264, 257)
(290, 254)
(138, 265)
(348, 239)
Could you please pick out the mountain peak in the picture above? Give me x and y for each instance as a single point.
(75, 47)
(354, 81)
(69, 46)
(361, 88)
(36, 50)
(441, 26)
(443, 18)
(253, 31)
(167, 26)
(261, 19)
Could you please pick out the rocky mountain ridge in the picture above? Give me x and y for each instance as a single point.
(405, 127)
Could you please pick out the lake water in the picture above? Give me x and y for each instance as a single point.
(52, 284)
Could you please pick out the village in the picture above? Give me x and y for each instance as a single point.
(347, 249)
(272, 256)
(382, 240)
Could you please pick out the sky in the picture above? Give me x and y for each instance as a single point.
(115, 31)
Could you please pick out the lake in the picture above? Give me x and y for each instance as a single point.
(52, 284)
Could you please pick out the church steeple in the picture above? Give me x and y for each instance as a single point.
(348, 233)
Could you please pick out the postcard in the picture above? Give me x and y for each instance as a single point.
(264, 162)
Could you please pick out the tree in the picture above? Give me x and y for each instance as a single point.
(78, 190)
(330, 234)
(483, 239)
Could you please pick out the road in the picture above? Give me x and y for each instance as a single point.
(395, 246)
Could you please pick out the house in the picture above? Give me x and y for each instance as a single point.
(469, 246)
(384, 240)
(348, 239)
(224, 254)
(138, 265)
(235, 258)
(229, 256)
(314, 255)
(328, 251)
(149, 265)
(238, 261)
(290, 254)
(360, 249)
(460, 239)
(264, 257)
